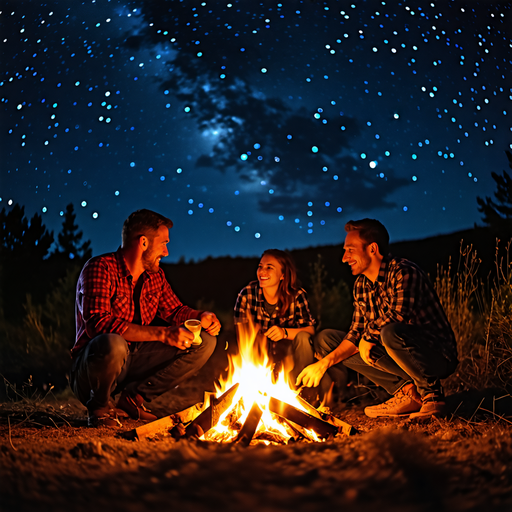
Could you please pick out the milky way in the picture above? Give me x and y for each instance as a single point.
(254, 124)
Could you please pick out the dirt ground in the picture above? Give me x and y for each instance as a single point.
(51, 461)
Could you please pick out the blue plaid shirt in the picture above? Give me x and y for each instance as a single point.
(402, 293)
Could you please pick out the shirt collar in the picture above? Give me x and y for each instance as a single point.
(124, 271)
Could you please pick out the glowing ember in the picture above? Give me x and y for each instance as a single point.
(251, 369)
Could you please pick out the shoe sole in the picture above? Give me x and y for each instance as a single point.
(440, 414)
(377, 415)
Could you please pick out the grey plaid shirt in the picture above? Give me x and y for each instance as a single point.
(251, 303)
(402, 293)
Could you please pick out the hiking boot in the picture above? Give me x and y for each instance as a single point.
(104, 417)
(134, 407)
(433, 404)
(404, 402)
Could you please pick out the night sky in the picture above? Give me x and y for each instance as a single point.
(254, 124)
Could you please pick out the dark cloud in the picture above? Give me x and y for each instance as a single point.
(347, 186)
(261, 137)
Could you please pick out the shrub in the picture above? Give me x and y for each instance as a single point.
(481, 321)
(38, 349)
(498, 324)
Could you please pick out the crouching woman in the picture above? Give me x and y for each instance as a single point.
(277, 308)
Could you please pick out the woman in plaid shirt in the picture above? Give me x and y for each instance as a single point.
(279, 309)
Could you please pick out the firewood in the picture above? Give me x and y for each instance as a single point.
(251, 424)
(210, 416)
(343, 427)
(272, 437)
(167, 423)
(305, 420)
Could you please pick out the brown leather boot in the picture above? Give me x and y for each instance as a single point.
(134, 407)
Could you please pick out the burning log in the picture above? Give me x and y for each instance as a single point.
(303, 419)
(210, 416)
(343, 427)
(234, 416)
(300, 433)
(310, 409)
(166, 423)
(251, 424)
(174, 421)
(272, 437)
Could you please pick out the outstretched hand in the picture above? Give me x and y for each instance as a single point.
(210, 323)
(312, 374)
(365, 348)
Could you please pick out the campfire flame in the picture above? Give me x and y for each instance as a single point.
(251, 370)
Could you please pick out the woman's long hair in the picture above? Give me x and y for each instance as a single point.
(289, 285)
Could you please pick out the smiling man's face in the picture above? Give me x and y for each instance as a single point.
(357, 253)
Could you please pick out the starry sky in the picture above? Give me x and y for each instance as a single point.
(254, 124)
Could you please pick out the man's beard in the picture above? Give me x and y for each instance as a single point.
(150, 260)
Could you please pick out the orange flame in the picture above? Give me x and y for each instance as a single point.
(251, 369)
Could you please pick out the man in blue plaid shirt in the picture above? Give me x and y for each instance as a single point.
(400, 337)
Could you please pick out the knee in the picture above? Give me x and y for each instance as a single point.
(302, 338)
(325, 341)
(389, 334)
(111, 347)
(208, 345)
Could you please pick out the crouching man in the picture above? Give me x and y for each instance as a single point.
(400, 337)
(130, 336)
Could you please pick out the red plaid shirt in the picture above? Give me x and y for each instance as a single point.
(104, 299)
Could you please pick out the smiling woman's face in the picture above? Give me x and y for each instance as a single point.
(269, 272)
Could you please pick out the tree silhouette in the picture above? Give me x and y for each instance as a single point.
(498, 213)
(21, 238)
(24, 245)
(70, 238)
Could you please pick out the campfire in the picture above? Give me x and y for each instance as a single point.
(253, 404)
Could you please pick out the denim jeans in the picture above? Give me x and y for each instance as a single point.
(108, 364)
(294, 354)
(408, 354)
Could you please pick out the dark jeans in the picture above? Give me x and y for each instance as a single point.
(407, 354)
(108, 364)
(296, 354)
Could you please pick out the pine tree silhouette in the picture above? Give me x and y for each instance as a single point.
(497, 213)
(24, 247)
(70, 238)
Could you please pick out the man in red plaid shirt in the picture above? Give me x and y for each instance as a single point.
(130, 335)
(400, 337)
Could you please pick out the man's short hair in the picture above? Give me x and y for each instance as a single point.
(143, 222)
(371, 230)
